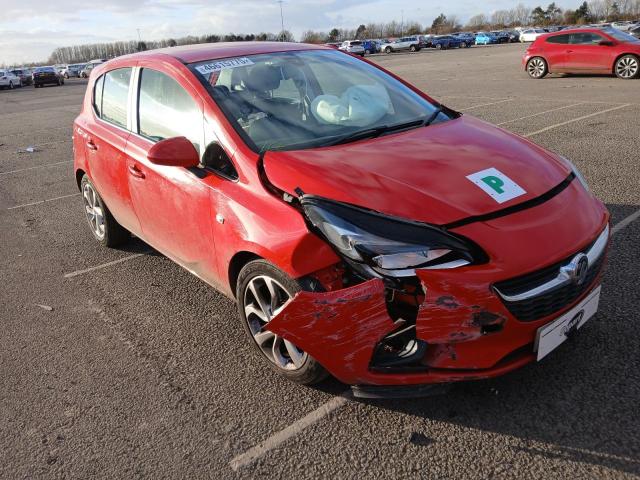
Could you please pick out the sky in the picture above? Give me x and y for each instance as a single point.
(31, 29)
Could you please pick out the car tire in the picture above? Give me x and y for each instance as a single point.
(66, 75)
(537, 67)
(255, 277)
(412, 48)
(367, 52)
(388, 50)
(105, 229)
(627, 67)
(463, 45)
(438, 46)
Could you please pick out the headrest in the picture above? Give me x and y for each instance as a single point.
(263, 78)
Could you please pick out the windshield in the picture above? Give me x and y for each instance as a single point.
(296, 100)
(620, 35)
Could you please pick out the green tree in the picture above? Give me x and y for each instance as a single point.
(360, 31)
(334, 34)
(583, 13)
(539, 16)
(439, 23)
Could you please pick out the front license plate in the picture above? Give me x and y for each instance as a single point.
(556, 332)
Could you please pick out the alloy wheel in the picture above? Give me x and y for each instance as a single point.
(627, 67)
(536, 67)
(95, 214)
(264, 298)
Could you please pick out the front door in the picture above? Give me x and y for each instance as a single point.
(173, 204)
(585, 54)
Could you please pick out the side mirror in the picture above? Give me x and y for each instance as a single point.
(174, 152)
(606, 43)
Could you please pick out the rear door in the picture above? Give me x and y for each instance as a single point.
(585, 54)
(173, 204)
(106, 138)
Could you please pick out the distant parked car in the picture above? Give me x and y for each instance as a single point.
(501, 36)
(72, 70)
(485, 38)
(371, 46)
(635, 31)
(335, 45)
(24, 74)
(584, 50)
(46, 76)
(446, 41)
(86, 71)
(466, 39)
(514, 36)
(404, 43)
(9, 79)
(531, 34)
(352, 46)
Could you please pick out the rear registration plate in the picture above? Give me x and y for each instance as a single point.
(555, 333)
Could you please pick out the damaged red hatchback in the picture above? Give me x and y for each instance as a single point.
(364, 229)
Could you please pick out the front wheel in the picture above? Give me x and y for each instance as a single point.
(537, 67)
(10, 85)
(388, 50)
(627, 67)
(104, 227)
(413, 48)
(463, 45)
(262, 292)
(438, 46)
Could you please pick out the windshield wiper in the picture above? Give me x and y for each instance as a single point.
(377, 131)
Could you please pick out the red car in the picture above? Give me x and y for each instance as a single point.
(364, 229)
(584, 50)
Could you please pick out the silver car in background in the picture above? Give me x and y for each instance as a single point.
(412, 44)
(354, 47)
(9, 79)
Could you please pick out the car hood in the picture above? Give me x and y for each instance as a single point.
(420, 174)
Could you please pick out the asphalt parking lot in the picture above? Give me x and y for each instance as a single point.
(119, 364)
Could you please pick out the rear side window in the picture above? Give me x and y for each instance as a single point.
(97, 96)
(115, 95)
(586, 38)
(558, 39)
(166, 110)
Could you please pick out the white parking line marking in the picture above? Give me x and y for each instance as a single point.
(35, 168)
(105, 265)
(625, 222)
(43, 201)
(292, 430)
(333, 404)
(486, 104)
(583, 117)
(540, 113)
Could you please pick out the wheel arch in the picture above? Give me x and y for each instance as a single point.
(79, 174)
(237, 262)
(619, 56)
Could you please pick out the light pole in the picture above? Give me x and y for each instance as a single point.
(281, 21)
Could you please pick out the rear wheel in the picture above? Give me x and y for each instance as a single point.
(388, 50)
(413, 48)
(537, 67)
(104, 227)
(10, 85)
(627, 67)
(463, 45)
(438, 46)
(262, 292)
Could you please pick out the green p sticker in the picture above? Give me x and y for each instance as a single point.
(497, 185)
(494, 182)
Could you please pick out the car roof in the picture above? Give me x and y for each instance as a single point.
(574, 30)
(213, 51)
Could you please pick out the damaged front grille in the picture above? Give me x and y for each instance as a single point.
(546, 291)
(553, 301)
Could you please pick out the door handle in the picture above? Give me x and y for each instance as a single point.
(91, 145)
(135, 171)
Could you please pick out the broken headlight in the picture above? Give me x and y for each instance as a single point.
(379, 245)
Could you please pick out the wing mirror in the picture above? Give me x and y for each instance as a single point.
(606, 43)
(174, 152)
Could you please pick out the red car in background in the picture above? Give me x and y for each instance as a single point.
(364, 229)
(584, 50)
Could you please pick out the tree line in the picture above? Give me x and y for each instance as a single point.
(85, 53)
(520, 15)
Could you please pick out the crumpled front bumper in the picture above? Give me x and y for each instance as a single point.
(469, 332)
